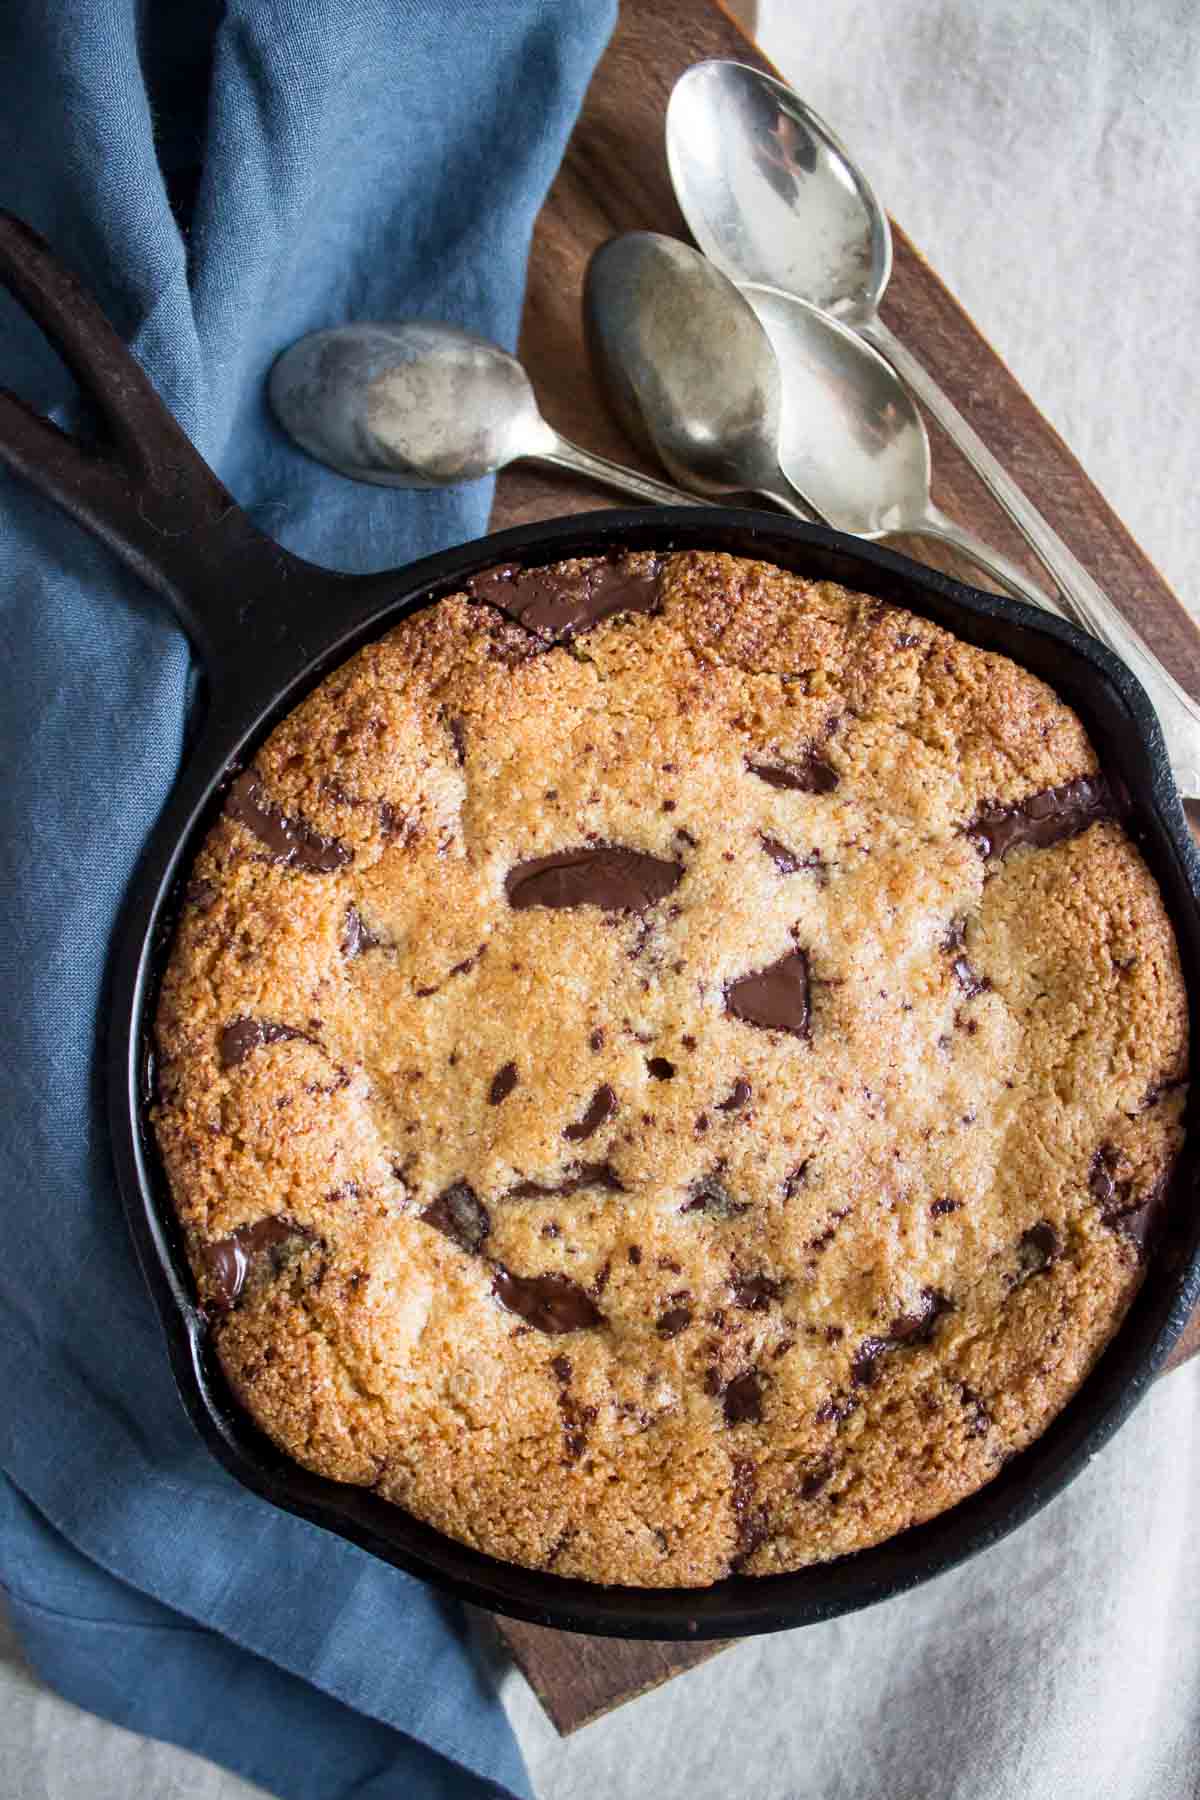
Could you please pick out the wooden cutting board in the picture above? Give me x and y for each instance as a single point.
(613, 179)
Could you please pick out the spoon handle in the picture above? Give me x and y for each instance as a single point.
(1083, 600)
(560, 453)
(1014, 581)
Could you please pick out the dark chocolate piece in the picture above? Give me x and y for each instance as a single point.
(290, 841)
(918, 1327)
(557, 605)
(743, 1399)
(775, 998)
(808, 774)
(970, 983)
(795, 1179)
(1039, 1247)
(550, 1302)
(980, 1421)
(754, 1293)
(601, 1107)
(357, 936)
(200, 894)
(739, 1093)
(241, 1036)
(1138, 1217)
(676, 1319)
(659, 1068)
(459, 1214)
(579, 1175)
(1044, 819)
(751, 1521)
(708, 1194)
(785, 860)
(939, 1208)
(503, 1083)
(609, 877)
(815, 1478)
(906, 1331)
(229, 1260)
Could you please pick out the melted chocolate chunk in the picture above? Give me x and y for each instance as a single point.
(356, 935)
(229, 1260)
(550, 1303)
(601, 1107)
(863, 1372)
(579, 1175)
(785, 860)
(1039, 1247)
(754, 1293)
(970, 983)
(634, 1254)
(708, 1194)
(906, 1331)
(503, 1083)
(774, 999)
(815, 1478)
(576, 1419)
(289, 841)
(609, 877)
(458, 737)
(739, 1093)
(557, 605)
(676, 1319)
(918, 1327)
(980, 1421)
(242, 1036)
(1044, 819)
(1137, 1216)
(392, 822)
(200, 894)
(750, 1519)
(742, 1403)
(809, 774)
(459, 1214)
(659, 1068)
(795, 1179)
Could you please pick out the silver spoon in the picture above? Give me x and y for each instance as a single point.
(771, 196)
(422, 405)
(688, 368)
(852, 439)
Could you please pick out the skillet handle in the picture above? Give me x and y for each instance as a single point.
(144, 490)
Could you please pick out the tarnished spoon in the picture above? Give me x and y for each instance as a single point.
(424, 405)
(690, 371)
(853, 440)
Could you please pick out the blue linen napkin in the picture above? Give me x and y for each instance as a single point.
(337, 159)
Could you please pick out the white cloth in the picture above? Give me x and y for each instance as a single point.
(1043, 155)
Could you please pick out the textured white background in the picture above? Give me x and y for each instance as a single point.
(1045, 155)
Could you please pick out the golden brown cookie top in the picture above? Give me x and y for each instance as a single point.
(665, 1067)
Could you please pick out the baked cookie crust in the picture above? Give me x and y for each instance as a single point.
(668, 1067)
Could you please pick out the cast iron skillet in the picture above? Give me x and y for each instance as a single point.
(267, 627)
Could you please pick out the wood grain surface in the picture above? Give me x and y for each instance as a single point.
(613, 179)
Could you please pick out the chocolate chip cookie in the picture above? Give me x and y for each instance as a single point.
(668, 1067)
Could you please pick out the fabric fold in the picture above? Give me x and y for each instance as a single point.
(341, 159)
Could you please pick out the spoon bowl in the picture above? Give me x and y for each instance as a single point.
(852, 438)
(407, 405)
(688, 367)
(770, 194)
(418, 404)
